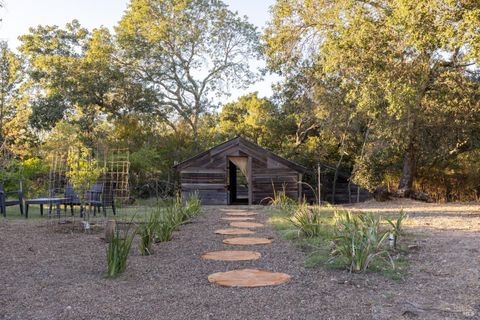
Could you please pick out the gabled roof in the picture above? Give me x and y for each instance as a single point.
(237, 142)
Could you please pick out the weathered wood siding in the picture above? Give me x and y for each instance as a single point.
(207, 172)
(270, 176)
(209, 184)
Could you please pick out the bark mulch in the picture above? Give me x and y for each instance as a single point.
(46, 274)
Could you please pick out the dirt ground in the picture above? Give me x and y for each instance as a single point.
(46, 274)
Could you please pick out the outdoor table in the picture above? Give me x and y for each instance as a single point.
(41, 201)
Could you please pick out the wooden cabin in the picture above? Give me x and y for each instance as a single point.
(239, 172)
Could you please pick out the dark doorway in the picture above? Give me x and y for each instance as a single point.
(237, 185)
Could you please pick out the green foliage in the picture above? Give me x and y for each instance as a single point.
(282, 201)
(192, 206)
(146, 231)
(398, 72)
(308, 220)
(251, 117)
(358, 240)
(175, 214)
(117, 252)
(185, 52)
(83, 169)
(397, 227)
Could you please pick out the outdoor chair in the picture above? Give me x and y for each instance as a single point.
(93, 197)
(10, 198)
(72, 197)
(108, 197)
(99, 196)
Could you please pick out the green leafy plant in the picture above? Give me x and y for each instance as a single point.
(117, 252)
(192, 205)
(83, 171)
(146, 231)
(397, 227)
(282, 201)
(307, 220)
(357, 240)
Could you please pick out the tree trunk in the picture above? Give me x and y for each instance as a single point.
(405, 186)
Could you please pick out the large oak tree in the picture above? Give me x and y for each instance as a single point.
(406, 66)
(187, 53)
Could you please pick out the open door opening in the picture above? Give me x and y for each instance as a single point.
(237, 181)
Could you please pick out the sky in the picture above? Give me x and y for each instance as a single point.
(19, 15)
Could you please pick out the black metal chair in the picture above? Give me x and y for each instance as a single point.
(10, 198)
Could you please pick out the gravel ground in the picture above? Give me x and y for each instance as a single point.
(51, 275)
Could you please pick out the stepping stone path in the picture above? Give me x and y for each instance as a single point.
(240, 214)
(238, 218)
(231, 255)
(248, 278)
(246, 225)
(234, 232)
(244, 241)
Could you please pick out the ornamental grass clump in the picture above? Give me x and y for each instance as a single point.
(147, 233)
(307, 220)
(192, 206)
(168, 222)
(117, 252)
(282, 201)
(358, 240)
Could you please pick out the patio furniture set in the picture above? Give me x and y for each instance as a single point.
(98, 197)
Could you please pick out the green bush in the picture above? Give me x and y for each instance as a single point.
(358, 240)
(307, 220)
(117, 252)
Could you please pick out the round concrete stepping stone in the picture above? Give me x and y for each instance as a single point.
(248, 278)
(244, 241)
(234, 231)
(229, 255)
(240, 214)
(233, 210)
(246, 225)
(238, 219)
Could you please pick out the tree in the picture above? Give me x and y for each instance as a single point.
(11, 77)
(403, 66)
(186, 53)
(250, 116)
(72, 77)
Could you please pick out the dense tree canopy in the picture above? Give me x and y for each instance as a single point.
(405, 67)
(385, 91)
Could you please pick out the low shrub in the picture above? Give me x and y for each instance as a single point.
(357, 240)
(307, 220)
